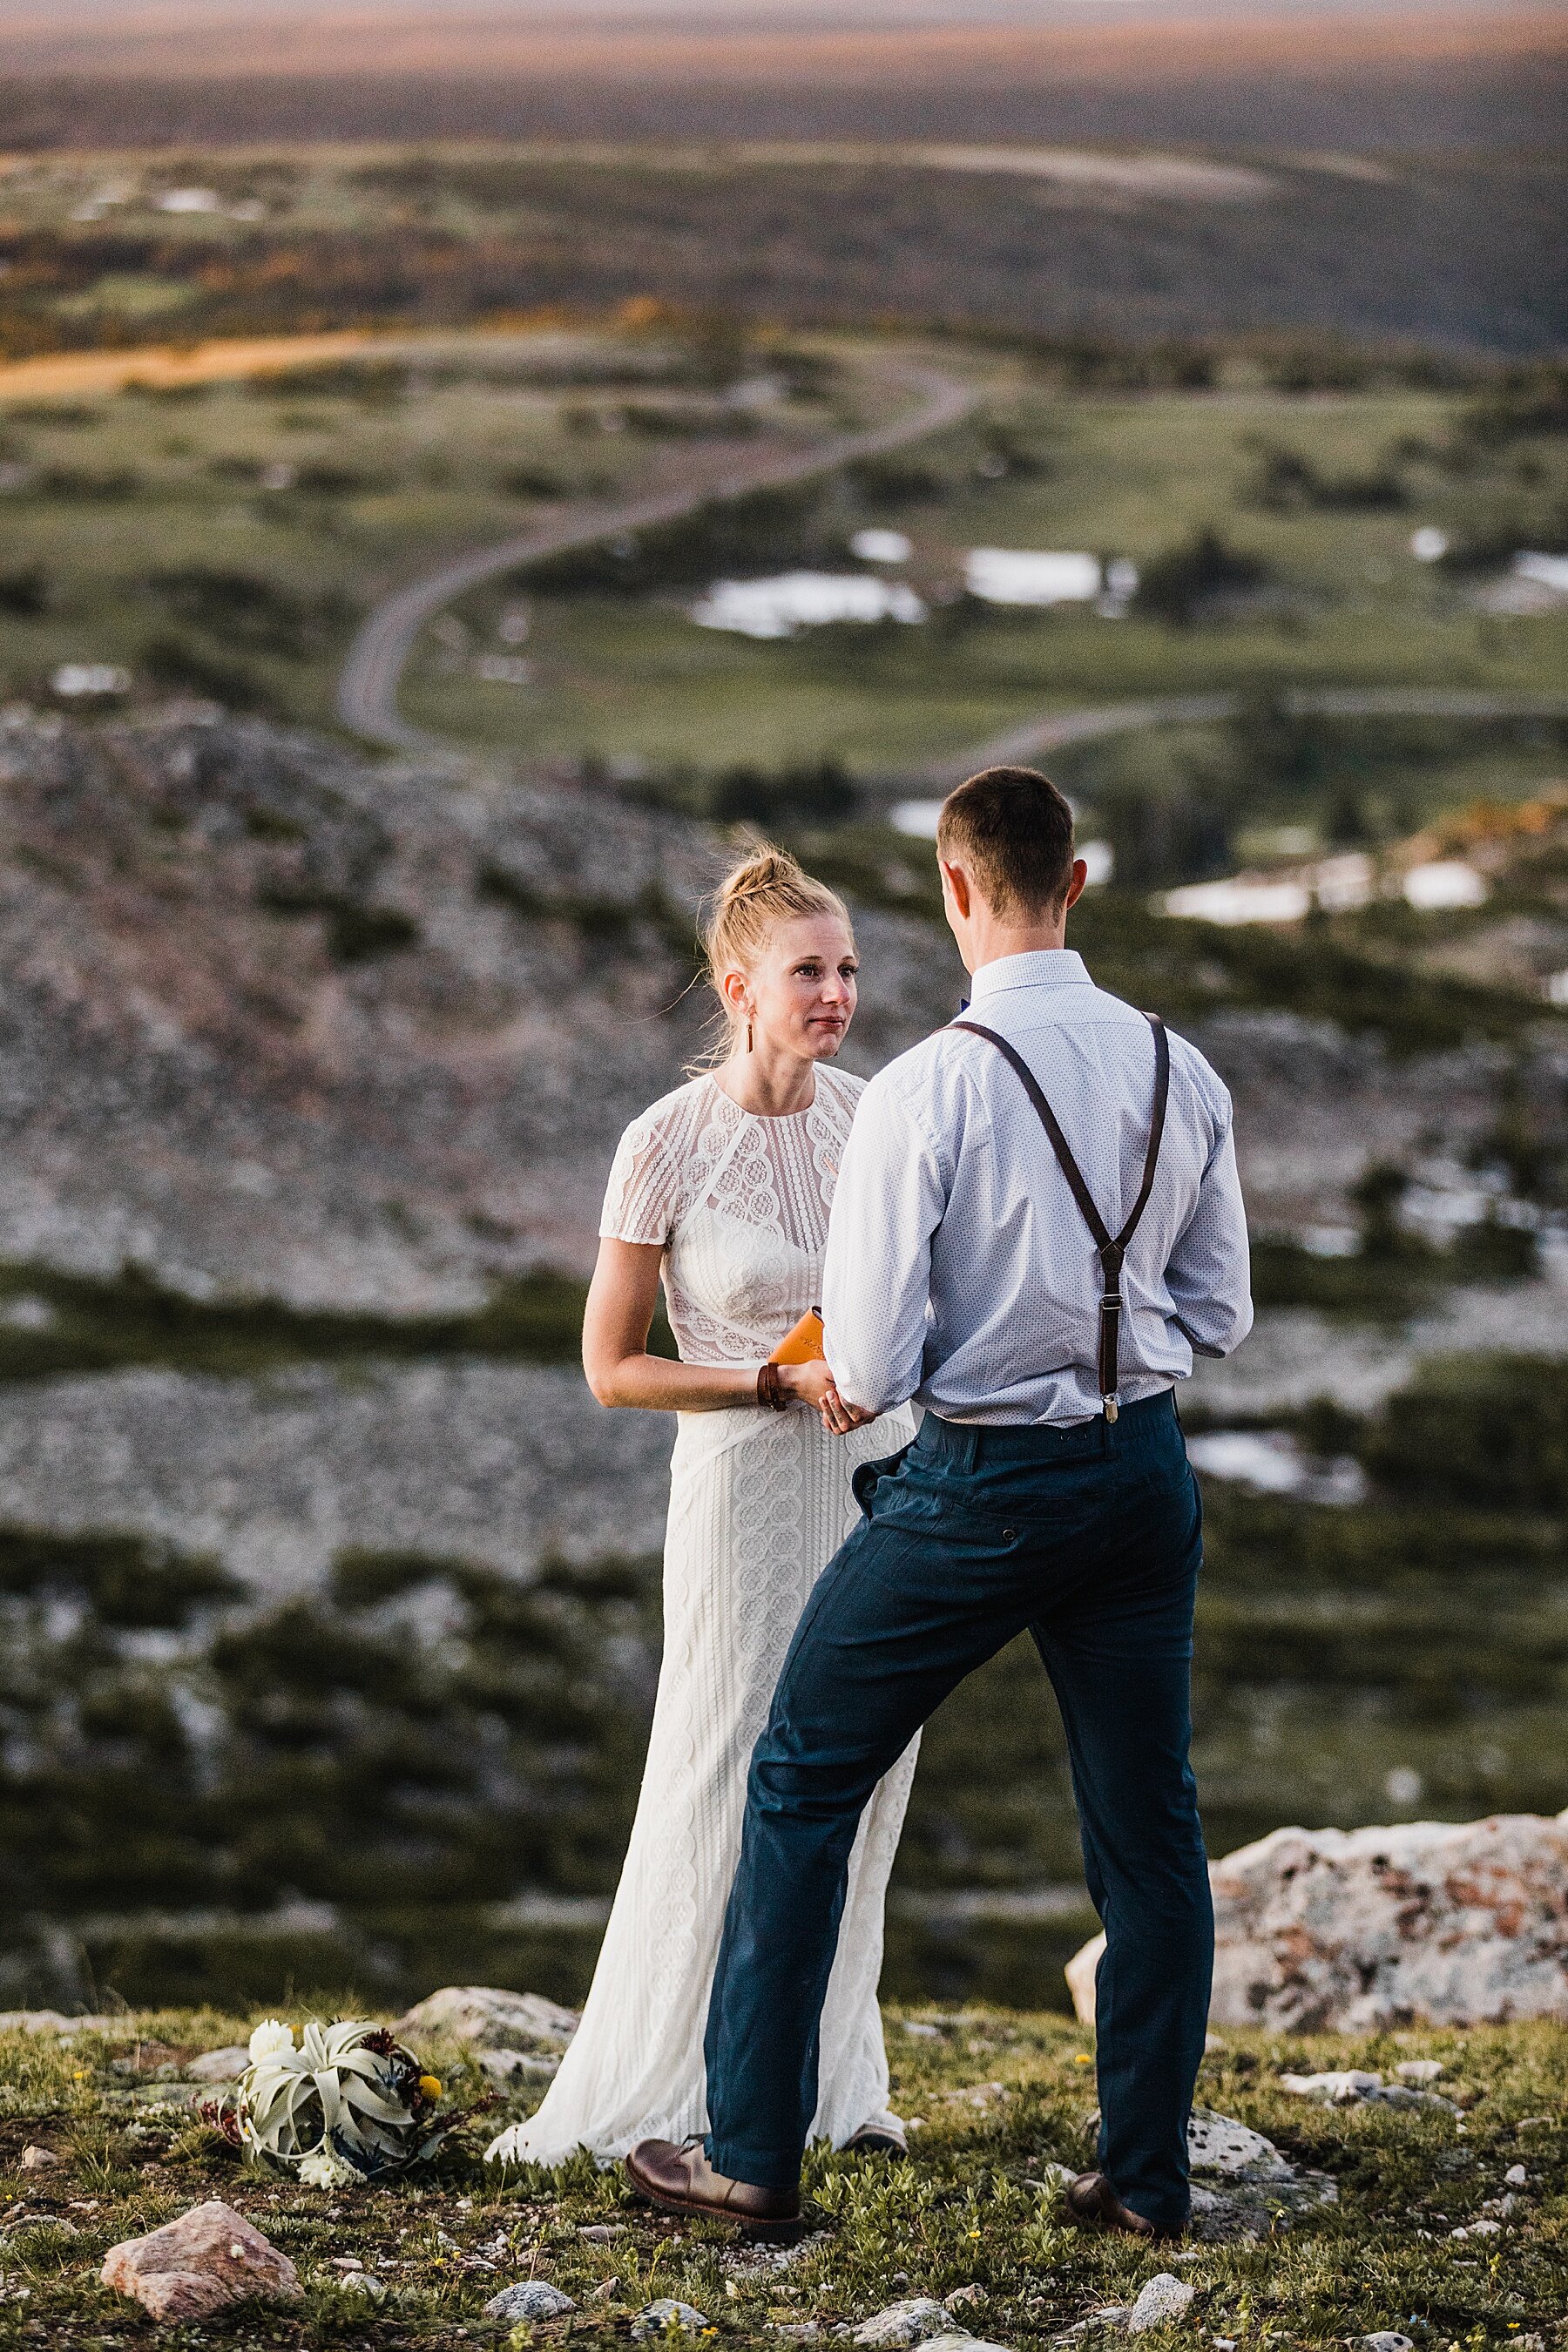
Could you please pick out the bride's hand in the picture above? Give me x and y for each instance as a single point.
(813, 1385)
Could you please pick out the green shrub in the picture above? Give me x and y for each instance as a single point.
(1478, 1434)
(1177, 585)
(26, 591)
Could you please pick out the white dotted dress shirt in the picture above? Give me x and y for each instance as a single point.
(960, 1270)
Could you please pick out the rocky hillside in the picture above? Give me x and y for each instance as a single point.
(277, 1021)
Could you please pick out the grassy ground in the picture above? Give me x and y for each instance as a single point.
(966, 2210)
(225, 538)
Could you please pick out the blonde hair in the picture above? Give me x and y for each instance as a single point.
(765, 887)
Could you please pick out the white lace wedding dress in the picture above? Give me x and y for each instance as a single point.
(758, 1503)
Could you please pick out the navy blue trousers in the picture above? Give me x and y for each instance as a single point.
(1091, 1538)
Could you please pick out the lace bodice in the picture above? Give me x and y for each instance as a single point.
(740, 1204)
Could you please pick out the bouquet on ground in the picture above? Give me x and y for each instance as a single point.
(346, 2103)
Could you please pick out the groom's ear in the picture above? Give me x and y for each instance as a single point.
(955, 882)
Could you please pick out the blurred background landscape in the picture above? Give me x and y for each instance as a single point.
(459, 466)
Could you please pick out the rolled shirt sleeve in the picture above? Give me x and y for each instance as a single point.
(890, 1199)
(1209, 1276)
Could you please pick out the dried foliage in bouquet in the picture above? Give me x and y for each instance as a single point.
(347, 2103)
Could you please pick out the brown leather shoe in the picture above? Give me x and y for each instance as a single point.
(679, 2179)
(1091, 2200)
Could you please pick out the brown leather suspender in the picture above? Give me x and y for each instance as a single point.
(1112, 1248)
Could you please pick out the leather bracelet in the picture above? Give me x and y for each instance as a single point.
(770, 1390)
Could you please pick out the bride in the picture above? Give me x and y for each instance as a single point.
(723, 1188)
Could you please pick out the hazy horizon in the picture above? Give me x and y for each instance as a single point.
(743, 38)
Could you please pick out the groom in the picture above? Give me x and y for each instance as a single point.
(1037, 1223)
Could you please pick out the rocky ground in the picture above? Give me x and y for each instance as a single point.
(479, 1461)
(1317, 2224)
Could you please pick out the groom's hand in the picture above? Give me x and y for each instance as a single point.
(839, 1418)
(813, 1385)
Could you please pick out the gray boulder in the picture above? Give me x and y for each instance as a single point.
(225, 2066)
(492, 2019)
(1354, 1931)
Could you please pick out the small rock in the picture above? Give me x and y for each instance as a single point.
(1112, 2315)
(218, 2065)
(491, 2017)
(363, 2283)
(1053, 2176)
(1163, 2298)
(955, 2342)
(39, 2159)
(921, 2032)
(1516, 2175)
(910, 2322)
(504, 2066)
(530, 2299)
(1386, 2339)
(606, 2291)
(207, 2258)
(599, 2233)
(1346, 2088)
(655, 2317)
(1405, 2094)
(1419, 2070)
(53, 2020)
(965, 2298)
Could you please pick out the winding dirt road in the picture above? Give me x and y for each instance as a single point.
(372, 674)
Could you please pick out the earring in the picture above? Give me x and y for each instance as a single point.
(748, 1036)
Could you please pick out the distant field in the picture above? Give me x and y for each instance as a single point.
(1458, 252)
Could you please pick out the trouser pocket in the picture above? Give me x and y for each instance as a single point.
(863, 1480)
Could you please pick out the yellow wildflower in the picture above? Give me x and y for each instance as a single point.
(430, 2084)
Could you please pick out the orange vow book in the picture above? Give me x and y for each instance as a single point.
(804, 1344)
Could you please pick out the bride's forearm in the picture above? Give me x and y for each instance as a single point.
(659, 1385)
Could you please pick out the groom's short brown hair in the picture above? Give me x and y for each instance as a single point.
(1012, 832)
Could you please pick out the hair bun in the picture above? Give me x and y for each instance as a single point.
(763, 869)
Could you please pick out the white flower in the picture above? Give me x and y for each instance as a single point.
(325, 2168)
(268, 2038)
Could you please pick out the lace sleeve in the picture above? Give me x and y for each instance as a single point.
(640, 1198)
